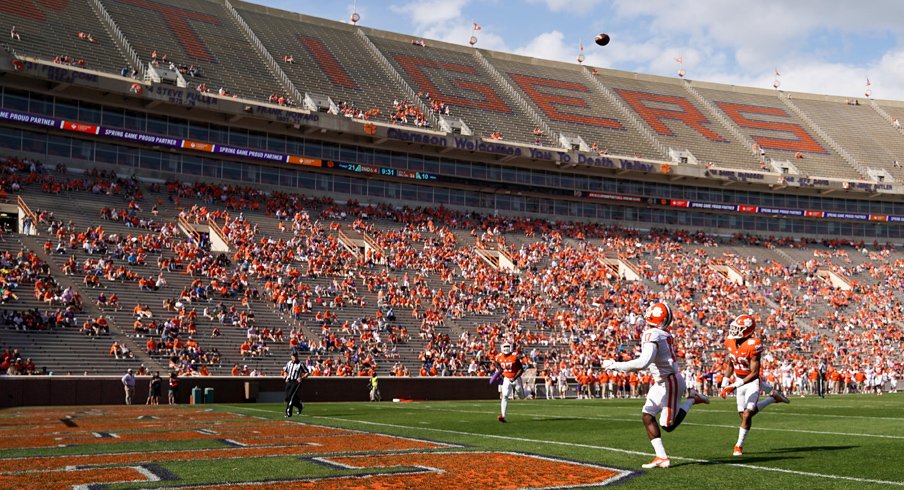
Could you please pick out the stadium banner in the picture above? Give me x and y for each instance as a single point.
(261, 155)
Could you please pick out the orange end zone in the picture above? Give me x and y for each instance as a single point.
(381, 461)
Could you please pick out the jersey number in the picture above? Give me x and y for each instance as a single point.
(740, 363)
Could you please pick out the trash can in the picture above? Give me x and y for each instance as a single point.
(208, 395)
(196, 396)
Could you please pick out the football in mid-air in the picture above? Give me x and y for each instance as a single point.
(601, 39)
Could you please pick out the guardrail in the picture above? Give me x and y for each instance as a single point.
(28, 212)
(117, 34)
(217, 229)
(188, 228)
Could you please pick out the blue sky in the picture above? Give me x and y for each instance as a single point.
(821, 46)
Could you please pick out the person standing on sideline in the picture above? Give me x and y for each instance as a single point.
(128, 382)
(154, 389)
(294, 372)
(374, 389)
(173, 388)
(821, 381)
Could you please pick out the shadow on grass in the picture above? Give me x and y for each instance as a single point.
(805, 449)
(737, 459)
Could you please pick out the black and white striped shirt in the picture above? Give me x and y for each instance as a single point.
(294, 370)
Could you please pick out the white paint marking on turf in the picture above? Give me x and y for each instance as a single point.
(772, 412)
(603, 448)
(535, 416)
(148, 474)
(799, 414)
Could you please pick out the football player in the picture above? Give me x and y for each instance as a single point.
(664, 397)
(744, 352)
(508, 363)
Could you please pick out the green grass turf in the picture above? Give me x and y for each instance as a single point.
(112, 448)
(823, 437)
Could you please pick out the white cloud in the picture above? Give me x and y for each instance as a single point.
(443, 20)
(578, 7)
(430, 13)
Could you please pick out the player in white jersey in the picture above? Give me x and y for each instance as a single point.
(664, 397)
(787, 376)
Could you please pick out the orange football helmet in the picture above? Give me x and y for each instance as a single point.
(741, 327)
(658, 315)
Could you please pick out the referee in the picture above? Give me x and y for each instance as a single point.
(294, 372)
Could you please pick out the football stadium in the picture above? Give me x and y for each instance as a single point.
(246, 247)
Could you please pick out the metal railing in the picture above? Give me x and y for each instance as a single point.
(218, 230)
(27, 210)
(392, 72)
(888, 117)
(188, 228)
(265, 54)
(632, 118)
(120, 38)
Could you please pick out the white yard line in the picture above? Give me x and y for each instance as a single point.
(620, 419)
(590, 446)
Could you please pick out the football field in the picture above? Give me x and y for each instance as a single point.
(839, 442)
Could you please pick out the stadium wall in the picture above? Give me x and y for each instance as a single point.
(108, 390)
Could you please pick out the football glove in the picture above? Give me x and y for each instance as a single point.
(727, 391)
(608, 364)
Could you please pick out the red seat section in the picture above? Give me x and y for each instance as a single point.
(549, 103)
(798, 138)
(429, 75)
(197, 33)
(675, 109)
(327, 62)
(454, 75)
(327, 58)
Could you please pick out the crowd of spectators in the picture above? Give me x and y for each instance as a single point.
(566, 306)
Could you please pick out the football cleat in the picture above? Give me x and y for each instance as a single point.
(501, 419)
(657, 463)
(780, 397)
(738, 451)
(698, 398)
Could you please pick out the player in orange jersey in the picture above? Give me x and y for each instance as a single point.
(744, 353)
(508, 363)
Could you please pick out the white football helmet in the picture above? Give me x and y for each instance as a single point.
(506, 348)
(741, 327)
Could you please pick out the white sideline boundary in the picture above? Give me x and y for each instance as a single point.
(590, 446)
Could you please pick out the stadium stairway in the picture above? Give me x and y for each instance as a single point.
(662, 103)
(199, 33)
(60, 350)
(84, 207)
(329, 59)
(770, 122)
(50, 29)
(859, 129)
(449, 68)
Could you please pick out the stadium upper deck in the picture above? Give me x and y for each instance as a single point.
(217, 45)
